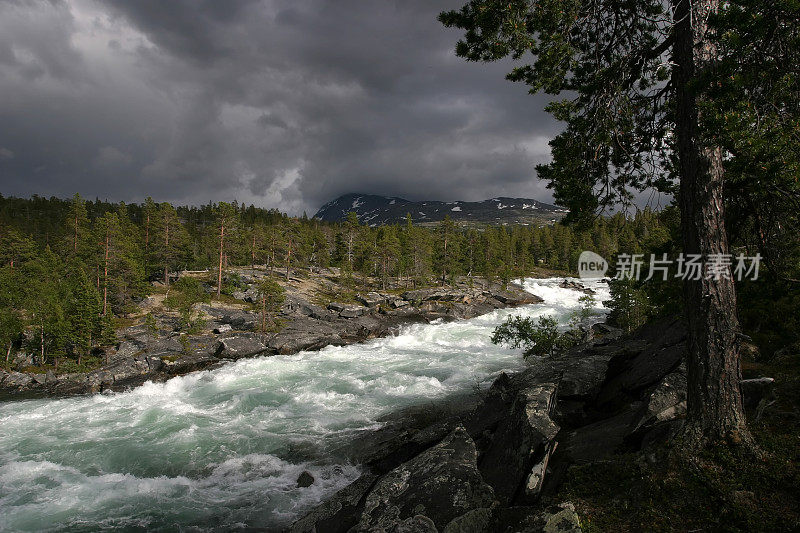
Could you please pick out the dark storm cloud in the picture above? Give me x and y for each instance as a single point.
(284, 103)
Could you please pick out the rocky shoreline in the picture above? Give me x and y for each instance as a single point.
(496, 464)
(230, 333)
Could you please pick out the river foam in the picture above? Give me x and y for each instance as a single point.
(223, 448)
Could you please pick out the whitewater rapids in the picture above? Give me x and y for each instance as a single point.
(222, 449)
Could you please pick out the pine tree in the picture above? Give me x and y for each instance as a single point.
(79, 229)
(388, 251)
(227, 217)
(84, 312)
(169, 239)
(11, 300)
(446, 248)
(351, 226)
(271, 297)
(641, 96)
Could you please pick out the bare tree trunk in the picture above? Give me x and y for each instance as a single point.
(271, 257)
(444, 266)
(105, 275)
(288, 258)
(264, 314)
(350, 249)
(166, 255)
(41, 337)
(147, 237)
(221, 243)
(714, 401)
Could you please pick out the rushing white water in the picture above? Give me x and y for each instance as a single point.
(222, 449)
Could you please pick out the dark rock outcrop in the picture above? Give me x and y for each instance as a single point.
(611, 395)
(338, 513)
(437, 486)
(305, 479)
(514, 464)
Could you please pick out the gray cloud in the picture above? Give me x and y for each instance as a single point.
(280, 103)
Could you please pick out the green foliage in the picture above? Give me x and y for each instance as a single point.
(587, 304)
(271, 296)
(186, 344)
(393, 257)
(617, 114)
(540, 338)
(108, 334)
(85, 313)
(232, 282)
(183, 296)
(630, 304)
(151, 326)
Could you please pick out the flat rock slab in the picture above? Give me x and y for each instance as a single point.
(241, 346)
(305, 334)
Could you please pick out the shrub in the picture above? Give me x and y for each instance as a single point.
(540, 338)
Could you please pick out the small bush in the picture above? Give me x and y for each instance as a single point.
(185, 293)
(540, 338)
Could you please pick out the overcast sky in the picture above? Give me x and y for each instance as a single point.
(279, 103)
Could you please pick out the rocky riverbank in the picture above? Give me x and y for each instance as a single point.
(308, 319)
(496, 464)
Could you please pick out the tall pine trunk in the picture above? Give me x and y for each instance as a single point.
(166, 254)
(288, 259)
(105, 273)
(714, 402)
(221, 244)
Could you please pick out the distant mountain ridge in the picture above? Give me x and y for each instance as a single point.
(375, 210)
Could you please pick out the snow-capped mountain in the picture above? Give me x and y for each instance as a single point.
(376, 210)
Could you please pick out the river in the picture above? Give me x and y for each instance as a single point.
(222, 449)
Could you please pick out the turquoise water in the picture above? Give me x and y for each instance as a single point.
(222, 449)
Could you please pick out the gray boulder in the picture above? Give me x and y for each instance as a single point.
(560, 518)
(305, 479)
(437, 486)
(516, 460)
(249, 295)
(515, 297)
(420, 295)
(372, 299)
(352, 311)
(339, 512)
(165, 346)
(243, 345)
(223, 328)
(129, 348)
(665, 403)
(314, 311)
(304, 334)
(757, 393)
(653, 351)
